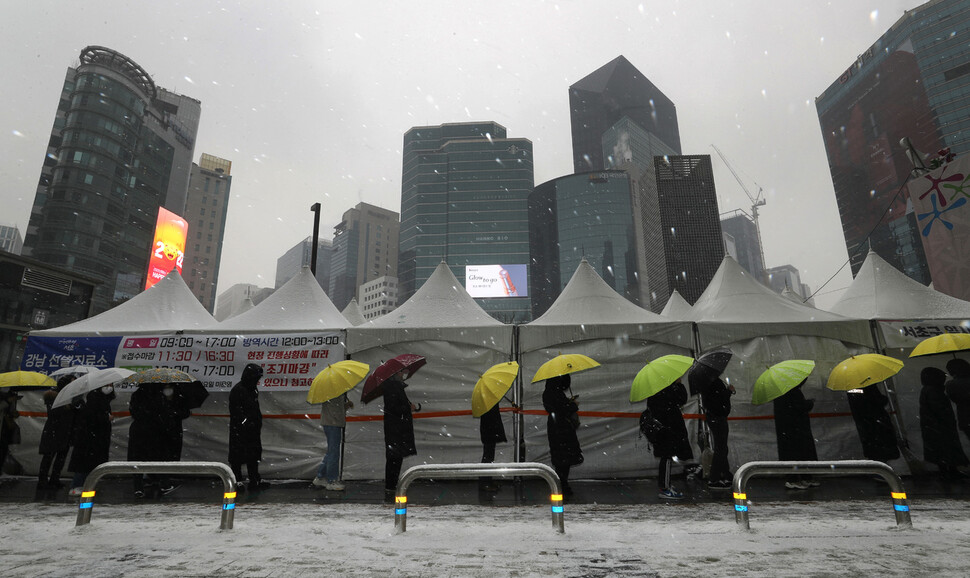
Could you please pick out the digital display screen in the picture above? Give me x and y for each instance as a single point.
(489, 281)
(168, 248)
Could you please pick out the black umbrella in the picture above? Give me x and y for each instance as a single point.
(707, 368)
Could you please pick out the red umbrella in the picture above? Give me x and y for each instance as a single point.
(408, 362)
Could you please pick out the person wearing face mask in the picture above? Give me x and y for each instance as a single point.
(91, 435)
(155, 435)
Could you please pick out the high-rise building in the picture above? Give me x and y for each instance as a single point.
(684, 244)
(603, 98)
(591, 215)
(10, 239)
(206, 206)
(121, 147)
(913, 82)
(464, 200)
(378, 297)
(299, 256)
(747, 244)
(365, 247)
(233, 300)
(787, 277)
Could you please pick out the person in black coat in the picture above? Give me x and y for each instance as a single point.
(55, 439)
(941, 440)
(492, 432)
(958, 390)
(793, 430)
(245, 427)
(716, 397)
(872, 421)
(561, 428)
(91, 436)
(673, 441)
(155, 434)
(398, 430)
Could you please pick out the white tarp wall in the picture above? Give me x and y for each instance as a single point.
(763, 328)
(590, 318)
(460, 341)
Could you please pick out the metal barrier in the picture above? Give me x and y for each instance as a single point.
(844, 467)
(114, 468)
(461, 471)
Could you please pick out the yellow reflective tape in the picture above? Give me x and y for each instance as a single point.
(87, 494)
(230, 495)
(556, 497)
(738, 496)
(898, 495)
(401, 499)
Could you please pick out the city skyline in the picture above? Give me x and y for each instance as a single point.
(302, 125)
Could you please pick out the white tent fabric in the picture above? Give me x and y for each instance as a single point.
(589, 317)
(164, 308)
(353, 313)
(677, 307)
(880, 291)
(460, 342)
(789, 293)
(243, 307)
(299, 305)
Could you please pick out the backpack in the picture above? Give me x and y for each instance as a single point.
(650, 427)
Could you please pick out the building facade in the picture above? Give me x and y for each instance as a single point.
(365, 248)
(233, 300)
(10, 239)
(747, 243)
(121, 147)
(299, 256)
(913, 82)
(787, 277)
(604, 97)
(378, 297)
(589, 215)
(464, 200)
(684, 243)
(206, 206)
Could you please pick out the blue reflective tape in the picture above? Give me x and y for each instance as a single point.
(84, 505)
(401, 511)
(229, 506)
(740, 508)
(557, 509)
(901, 508)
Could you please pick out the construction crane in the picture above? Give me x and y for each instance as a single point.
(757, 200)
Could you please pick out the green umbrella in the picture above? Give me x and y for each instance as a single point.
(657, 375)
(780, 378)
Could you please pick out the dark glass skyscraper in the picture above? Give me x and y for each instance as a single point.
(913, 82)
(464, 195)
(120, 148)
(742, 229)
(616, 90)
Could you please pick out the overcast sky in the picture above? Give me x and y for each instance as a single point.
(310, 100)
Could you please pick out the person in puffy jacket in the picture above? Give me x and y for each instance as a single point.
(673, 441)
(246, 427)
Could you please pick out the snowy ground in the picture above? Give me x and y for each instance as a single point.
(787, 539)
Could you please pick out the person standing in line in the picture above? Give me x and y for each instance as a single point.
(958, 390)
(716, 397)
(398, 430)
(333, 416)
(561, 426)
(9, 429)
(155, 434)
(793, 430)
(492, 431)
(91, 435)
(245, 428)
(55, 439)
(872, 421)
(941, 440)
(672, 441)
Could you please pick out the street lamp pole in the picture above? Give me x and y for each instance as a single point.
(315, 207)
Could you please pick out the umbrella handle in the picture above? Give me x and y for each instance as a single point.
(512, 403)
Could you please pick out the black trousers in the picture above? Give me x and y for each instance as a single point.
(720, 469)
(252, 470)
(663, 472)
(392, 468)
(52, 463)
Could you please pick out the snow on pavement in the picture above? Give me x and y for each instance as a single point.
(787, 539)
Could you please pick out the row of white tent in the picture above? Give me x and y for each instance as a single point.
(442, 322)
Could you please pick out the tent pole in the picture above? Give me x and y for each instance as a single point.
(911, 460)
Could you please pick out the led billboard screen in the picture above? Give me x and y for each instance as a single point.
(168, 249)
(488, 281)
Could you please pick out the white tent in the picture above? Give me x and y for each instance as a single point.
(763, 328)
(299, 305)
(243, 307)
(166, 307)
(353, 313)
(677, 307)
(589, 317)
(460, 342)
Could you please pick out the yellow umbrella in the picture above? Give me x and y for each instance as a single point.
(20, 379)
(492, 386)
(563, 364)
(945, 343)
(336, 379)
(863, 370)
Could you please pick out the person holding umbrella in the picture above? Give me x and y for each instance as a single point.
(9, 430)
(486, 396)
(673, 443)
(155, 435)
(245, 428)
(561, 426)
(793, 431)
(958, 390)
(55, 439)
(91, 436)
(398, 429)
(941, 440)
(868, 406)
(330, 388)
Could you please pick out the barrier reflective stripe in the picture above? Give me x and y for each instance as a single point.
(738, 496)
(230, 495)
(401, 499)
(87, 494)
(229, 506)
(84, 505)
(556, 497)
(898, 495)
(557, 509)
(740, 508)
(401, 511)
(900, 508)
